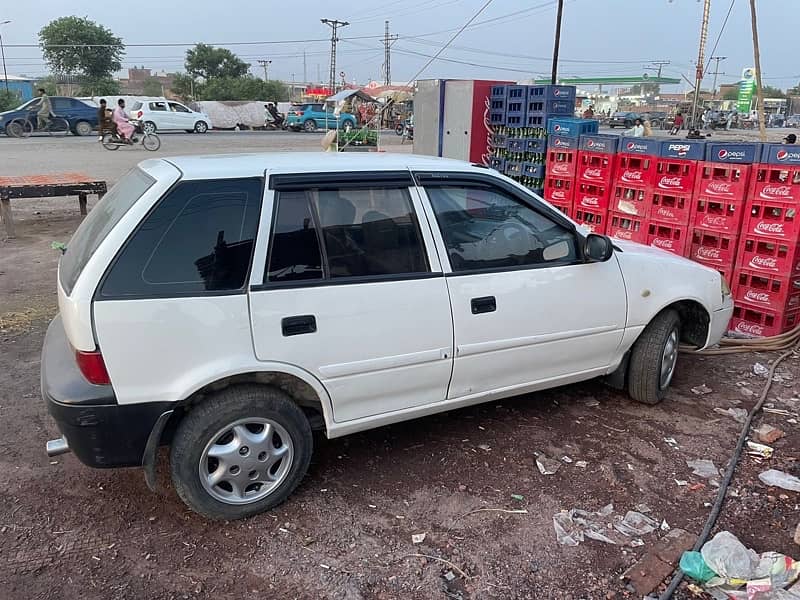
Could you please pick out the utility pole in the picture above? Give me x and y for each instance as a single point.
(657, 66)
(388, 40)
(716, 72)
(3, 52)
(701, 59)
(265, 63)
(759, 89)
(334, 24)
(305, 74)
(557, 41)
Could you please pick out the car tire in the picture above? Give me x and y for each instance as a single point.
(310, 125)
(653, 358)
(220, 430)
(348, 126)
(201, 127)
(610, 126)
(149, 127)
(82, 128)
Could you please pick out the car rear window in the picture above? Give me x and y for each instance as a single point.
(99, 223)
(136, 106)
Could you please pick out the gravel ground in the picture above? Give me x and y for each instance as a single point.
(67, 531)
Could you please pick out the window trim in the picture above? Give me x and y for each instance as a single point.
(284, 182)
(98, 295)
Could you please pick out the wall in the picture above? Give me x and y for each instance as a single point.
(23, 88)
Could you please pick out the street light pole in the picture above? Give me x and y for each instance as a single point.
(3, 54)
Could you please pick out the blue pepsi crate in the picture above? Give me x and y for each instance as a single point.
(513, 168)
(552, 92)
(517, 144)
(550, 106)
(517, 93)
(497, 104)
(536, 119)
(498, 163)
(531, 169)
(683, 149)
(787, 155)
(499, 140)
(571, 127)
(602, 143)
(497, 117)
(562, 143)
(499, 91)
(732, 152)
(639, 145)
(536, 145)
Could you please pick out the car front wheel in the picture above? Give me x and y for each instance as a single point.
(654, 357)
(200, 127)
(240, 452)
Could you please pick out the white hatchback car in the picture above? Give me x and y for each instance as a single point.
(228, 305)
(165, 115)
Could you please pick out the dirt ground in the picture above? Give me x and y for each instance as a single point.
(71, 532)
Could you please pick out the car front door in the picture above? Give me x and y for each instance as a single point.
(181, 116)
(528, 311)
(350, 289)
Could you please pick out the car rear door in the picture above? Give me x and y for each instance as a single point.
(347, 285)
(527, 311)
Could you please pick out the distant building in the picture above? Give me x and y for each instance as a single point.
(138, 80)
(23, 86)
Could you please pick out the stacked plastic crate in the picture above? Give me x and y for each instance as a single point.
(594, 180)
(672, 192)
(635, 166)
(563, 137)
(719, 204)
(518, 115)
(767, 274)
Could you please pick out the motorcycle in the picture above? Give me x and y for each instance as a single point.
(408, 131)
(150, 141)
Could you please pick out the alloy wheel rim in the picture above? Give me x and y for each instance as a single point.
(669, 358)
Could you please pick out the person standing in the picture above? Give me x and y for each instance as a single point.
(677, 125)
(647, 129)
(729, 121)
(637, 130)
(45, 108)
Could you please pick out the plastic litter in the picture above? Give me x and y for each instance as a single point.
(518, 497)
(738, 414)
(703, 468)
(776, 478)
(760, 369)
(759, 450)
(547, 466)
(694, 566)
(727, 556)
(635, 524)
(581, 464)
(702, 390)
(418, 538)
(575, 525)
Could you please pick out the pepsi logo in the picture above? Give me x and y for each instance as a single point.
(590, 144)
(556, 127)
(722, 154)
(782, 155)
(630, 146)
(557, 92)
(680, 149)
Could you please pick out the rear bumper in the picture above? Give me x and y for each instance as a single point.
(100, 432)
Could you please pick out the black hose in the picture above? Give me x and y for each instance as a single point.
(723, 488)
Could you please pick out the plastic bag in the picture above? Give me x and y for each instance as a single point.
(726, 555)
(780, 479)
(694, 566)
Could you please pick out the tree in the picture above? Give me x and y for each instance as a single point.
(9, 99)
(242, 88)
(184, 86)
(645, 88)
(49, 84)
(152, 87)
(104, 86)
(772, 92)
(209, 62)
(78, 46)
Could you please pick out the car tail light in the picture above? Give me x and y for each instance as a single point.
(139, 114)
(298, 114)
(93, 367)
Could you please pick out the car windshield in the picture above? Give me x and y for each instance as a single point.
(99, 223)
(136, 106)
(621, 114)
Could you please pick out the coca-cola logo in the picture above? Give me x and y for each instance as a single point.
(661, 243)
(558, 195)
(754, 296)
(769, 228)
(719, 188)
(669, 183)
(624, 234)
(560, 169)
(714, 221)
(749, 328)
(776, 191)
(590, 201)
(665, 212)
(631, 176)
(706, 253)
(764, 262)
(593, 173)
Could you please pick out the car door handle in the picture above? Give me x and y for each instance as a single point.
(483, 305)
(298, 325)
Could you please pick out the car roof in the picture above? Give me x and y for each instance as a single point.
(254, 165)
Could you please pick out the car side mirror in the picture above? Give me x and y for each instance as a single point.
(597, 248)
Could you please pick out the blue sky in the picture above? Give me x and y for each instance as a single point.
(599, 37)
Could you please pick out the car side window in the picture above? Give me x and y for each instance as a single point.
(178, 107)
(365, 232)
(60, 105)
(158, 106)
(198, 239)
(486, 228)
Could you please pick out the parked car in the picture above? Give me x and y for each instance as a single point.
(310, 117)
(227, 315)
(793, 121)
(162, 115)
(82, 117)
(658, 120)
(623, 119)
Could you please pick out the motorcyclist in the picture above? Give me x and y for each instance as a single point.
(121, 119)
(272, 115)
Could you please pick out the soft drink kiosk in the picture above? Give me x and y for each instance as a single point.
(450, 118)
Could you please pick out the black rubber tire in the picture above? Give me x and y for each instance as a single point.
(208, 417)
(82, 128)
(644, 368)
(201, 127)
(310, 126)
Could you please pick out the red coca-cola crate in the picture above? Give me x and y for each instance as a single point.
(565, 208)
(716, 214)
(669, 207)
(772, 218)
(559, 190)
(723, 181)
(713, 248)
(630, 200)
(594, 220)
(775, 182)
(769, 255)
(627, 227)
(591, 196)
(767, 290)
(634, 170)
(757, 321)
(675, 176)
(595, 167)
(561, 162)
(668, 236)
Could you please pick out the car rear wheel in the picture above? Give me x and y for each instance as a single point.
(200, 127)
(310, 125)
(240, 452)
(82, 128)
(654, 357)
